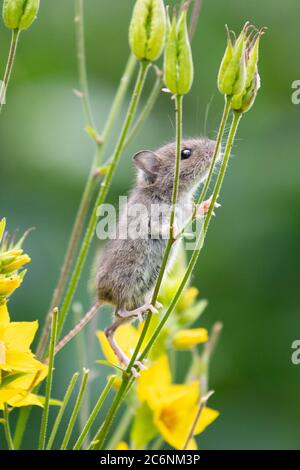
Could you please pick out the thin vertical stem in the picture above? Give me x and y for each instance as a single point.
(178, 109)
(121, 428)
(44, 423)
(94, 413)
(81, 60)
(62, 410)
(102, 195)
(217, 149)
(8, 436)
(9, 66)
(76, 410)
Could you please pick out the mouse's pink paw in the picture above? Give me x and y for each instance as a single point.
(203, 209)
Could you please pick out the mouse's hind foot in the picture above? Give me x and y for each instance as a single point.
(139, 313)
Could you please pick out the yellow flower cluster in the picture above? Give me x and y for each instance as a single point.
(12, 259)
(20, 372)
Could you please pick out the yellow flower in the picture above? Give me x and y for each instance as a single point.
(122, 445)
(15, 341)
(9, 284)
(186, 339)
(174, 406)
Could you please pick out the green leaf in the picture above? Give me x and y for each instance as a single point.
(143, 429)
(110, 364)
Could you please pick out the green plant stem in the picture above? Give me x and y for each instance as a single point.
(62, 410)
(8, 436)
(102, 195)
(44, 423)
(94, 413)
(128, 380)
(82, 350)
(126, 377)
(10, 63)
(121, 428)
(21, 426)
(100, 437)
(213, 163)
(147, 108)
(171, 238)
(81, 60)
(76, 410)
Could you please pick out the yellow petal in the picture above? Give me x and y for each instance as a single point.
(30, 380)
(122, 445)
(207, 417)
(20, 362)
(5, 395)
(126, 337)
(192, 445)
(9, 284)
(175, 415)
(19, 335)
(2, 353)
(27, 400)
(4, 315)
(153, 382)
(186, 339)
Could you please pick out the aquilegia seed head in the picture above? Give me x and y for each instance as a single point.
(178, 63)
(147, 29)
(243, 101)
(20, 14)
(232, 73)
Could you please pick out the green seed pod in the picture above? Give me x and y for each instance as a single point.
(147, 29)
(252, 62)
(225, 61)
(20, 14)
(178, 66)
(244, 101)
(232, 74)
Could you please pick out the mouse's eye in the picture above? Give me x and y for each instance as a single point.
(185, 153)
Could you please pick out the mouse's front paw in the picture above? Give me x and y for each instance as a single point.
(203, 209)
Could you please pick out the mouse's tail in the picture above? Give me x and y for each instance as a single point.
(77, 328)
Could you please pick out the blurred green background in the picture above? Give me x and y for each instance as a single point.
(250, 267)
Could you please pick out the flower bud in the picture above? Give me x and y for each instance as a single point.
(232, 73)
(148, 29)
(20, 14)
(15, 264)
(187, 339)
(178, 66)
(9, 284)
(244, 102)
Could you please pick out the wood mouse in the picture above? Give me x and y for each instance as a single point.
(128, 267)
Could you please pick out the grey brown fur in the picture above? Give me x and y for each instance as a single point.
(128, 269)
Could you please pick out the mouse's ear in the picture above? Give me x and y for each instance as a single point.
(148, 162)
